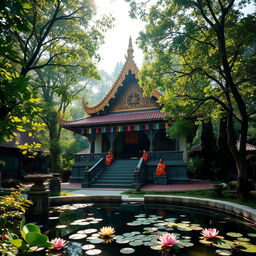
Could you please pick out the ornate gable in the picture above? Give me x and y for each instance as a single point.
(131, 98)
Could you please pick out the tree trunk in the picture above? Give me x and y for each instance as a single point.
(239, 154)
(208, 145)
(242, 188)
(226, 163)
(55, 149)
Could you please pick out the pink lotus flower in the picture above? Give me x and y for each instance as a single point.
(5, 237)
(209, 233)
(154, 229)
(167, 240)
(59, 244)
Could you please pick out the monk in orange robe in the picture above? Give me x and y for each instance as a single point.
(109, 158)
(145, 156)
(160, 169)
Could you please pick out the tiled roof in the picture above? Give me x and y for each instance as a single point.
(131, 117)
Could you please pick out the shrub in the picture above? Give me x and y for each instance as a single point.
(11, 183)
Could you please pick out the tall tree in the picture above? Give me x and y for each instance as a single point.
(57, 89)
(61, 33)
(202, 53)
(209, 150)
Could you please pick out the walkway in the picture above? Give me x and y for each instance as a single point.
(193, 185)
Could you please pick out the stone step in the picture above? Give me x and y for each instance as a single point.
(113, 176)
(109, 180)
(110, 185)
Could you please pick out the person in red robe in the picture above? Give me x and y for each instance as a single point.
(109, 158)
(145, 156)
(161, 168)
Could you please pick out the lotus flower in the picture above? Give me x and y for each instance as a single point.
(209, 233)
(167, 240)
(59, 244)
(107, 231)
(5, 237)
(154, 229)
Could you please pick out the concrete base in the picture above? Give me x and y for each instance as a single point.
(40, 201)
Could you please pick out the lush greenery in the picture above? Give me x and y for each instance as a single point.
(52, 55)
(201, 54)
(12, 208)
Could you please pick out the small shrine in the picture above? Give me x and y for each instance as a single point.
(125, 123)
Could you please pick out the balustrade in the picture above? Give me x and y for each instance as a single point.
(89, 158)
(139, 174)
(91, 174)
(166, 155)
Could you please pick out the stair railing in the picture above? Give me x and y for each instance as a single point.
(139, 174)
(93, 173)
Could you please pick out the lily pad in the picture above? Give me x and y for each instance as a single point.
(54, 218)
(204, 241)
(123, 241)
(252, 234)
(88, 247)
(243, 239)
(234, 234)
(96, 241)
(93, 252)
(61, 226)
(127, 250)
(128, 234)
(135, 232)
(133, 223)
(77, 236)
(247, 247)
(223, 252)
(222, 243)
(135, 243)
(156, 247)
(90, 231)
(140, 215)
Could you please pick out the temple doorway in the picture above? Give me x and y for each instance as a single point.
(129, 145)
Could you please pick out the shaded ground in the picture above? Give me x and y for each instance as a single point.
(193, 185)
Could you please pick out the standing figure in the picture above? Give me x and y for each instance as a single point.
(160, 169)
(145, 156)
(109, 158)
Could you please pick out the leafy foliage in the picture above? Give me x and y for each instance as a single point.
(60, 34)
(201, 54)
(12, 207)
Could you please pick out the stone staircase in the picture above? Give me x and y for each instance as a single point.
(120, 174)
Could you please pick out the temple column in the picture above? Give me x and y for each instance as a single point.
(151, 135)
(92, 139)
(112, 137)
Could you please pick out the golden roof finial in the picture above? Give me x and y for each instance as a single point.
(130, 49)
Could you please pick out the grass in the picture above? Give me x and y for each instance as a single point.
(65, 193)
(203, 193)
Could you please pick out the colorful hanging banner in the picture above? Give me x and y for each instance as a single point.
(127, 128)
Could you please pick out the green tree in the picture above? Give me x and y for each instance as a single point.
(57, 88)
(201, 54)
(17, 99)
(38, 34)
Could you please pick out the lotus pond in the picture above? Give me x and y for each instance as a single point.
(141, 230)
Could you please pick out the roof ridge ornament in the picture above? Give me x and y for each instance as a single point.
(130, 49)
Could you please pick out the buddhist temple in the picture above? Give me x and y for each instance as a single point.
(125, 123)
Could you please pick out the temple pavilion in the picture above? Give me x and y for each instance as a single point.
(125, 122)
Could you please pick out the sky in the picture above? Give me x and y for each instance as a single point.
(116, 39)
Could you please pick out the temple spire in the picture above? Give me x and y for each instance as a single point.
(130, 49)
